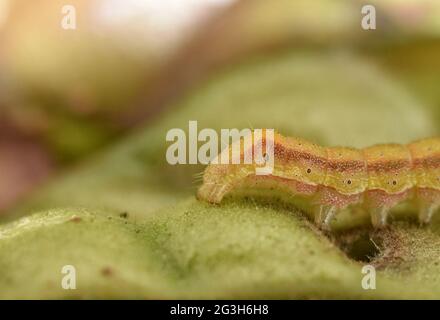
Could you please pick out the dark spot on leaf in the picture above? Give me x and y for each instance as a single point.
(76, 219)
(107, 271)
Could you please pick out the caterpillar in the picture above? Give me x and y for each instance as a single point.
(330, 179)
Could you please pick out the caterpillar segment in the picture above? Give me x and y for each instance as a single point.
(377, 178)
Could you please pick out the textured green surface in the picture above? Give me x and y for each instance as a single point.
(173, 246)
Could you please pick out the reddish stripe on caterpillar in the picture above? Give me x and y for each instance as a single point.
(376, 178)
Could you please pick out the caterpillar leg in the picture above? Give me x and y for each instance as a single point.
(429, 203)
(378, 203)
(324, 214)
(328, 202)
(379, 216)
(426, 211)
(212, 192)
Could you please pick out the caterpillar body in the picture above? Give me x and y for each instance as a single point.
(375, 178)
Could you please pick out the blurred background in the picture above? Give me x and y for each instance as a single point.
(66, 94)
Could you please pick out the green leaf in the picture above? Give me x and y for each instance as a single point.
(173, 246)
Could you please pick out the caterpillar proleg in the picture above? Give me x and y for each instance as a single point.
(375, 178)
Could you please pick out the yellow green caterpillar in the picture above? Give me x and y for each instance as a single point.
(376, 178)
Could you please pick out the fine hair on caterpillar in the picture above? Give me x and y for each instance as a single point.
(330, 179)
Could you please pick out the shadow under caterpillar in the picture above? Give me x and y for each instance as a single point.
(330, 179)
